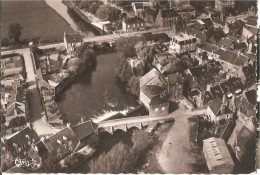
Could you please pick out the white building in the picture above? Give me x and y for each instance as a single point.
(183, 43)
(217, 156)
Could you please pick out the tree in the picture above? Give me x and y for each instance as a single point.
(14, 32)
(179, 25)
(123, 71)
(118, 160)
(108, 13)
(89, 57)
(126, 45)
(144, 52)
(134, 85)
(142, 140)
(93, 8)
(73, 161)
(51, 165)
(4, 42)
(17, 121)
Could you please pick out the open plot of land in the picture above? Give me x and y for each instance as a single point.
(36, 18)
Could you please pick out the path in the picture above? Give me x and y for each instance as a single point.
(176, 156)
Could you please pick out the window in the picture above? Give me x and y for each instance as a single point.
(163, 108)
(156, 109)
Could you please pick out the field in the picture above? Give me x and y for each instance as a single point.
(36, 18)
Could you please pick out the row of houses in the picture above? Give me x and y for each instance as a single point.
(14, 101)
(26, 144)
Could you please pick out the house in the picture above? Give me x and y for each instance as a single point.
(139, 8)
(245, 110)
(159, 106)
(180, 2)
(19, 144)
(250, 96)
(133, 24)
(72, 41)
(221, 4)
(200, 35)
(175, 86)
(218, 110)
(151, 85)
(162, 59)
(86, 133)
(17, 104)
(167, 17)
(57, 145)
(217, 156)
(234, 28)
(186, 11)
(248, 75)
(242, 143)
(208, 49)
(183, 43)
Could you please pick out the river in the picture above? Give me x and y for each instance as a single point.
(75, 23)
(95, 93)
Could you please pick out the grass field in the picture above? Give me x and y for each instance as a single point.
(36, 18)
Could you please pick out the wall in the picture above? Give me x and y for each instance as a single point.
(159, 110)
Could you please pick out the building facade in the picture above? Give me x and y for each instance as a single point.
(133, 24)
(183, 43)
(220, 4)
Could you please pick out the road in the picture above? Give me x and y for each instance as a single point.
(176, 155)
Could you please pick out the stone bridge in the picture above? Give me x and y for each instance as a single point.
(125, 124)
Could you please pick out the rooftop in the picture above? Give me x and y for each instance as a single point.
(169, 13)
(216, 153)
(251, 96)
(74, 38)
(157, 100)
(133, 20)
(84, 129)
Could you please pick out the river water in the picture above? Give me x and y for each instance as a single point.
(75, 23)
(95, 93)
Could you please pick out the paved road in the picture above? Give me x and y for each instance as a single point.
(176, 155)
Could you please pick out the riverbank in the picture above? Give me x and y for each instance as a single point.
(73, 10)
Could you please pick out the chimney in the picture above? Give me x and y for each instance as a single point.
(82, 120)
(43, 139)
(29, 125)
(208, 87)
(68, 125)
(224, 100)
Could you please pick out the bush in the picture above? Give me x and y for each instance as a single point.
(17, 121)
(5, 42)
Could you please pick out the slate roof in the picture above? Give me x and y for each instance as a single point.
(226, 42)
(198, 26)
(231, 85)
(149, 76)
(20, 137)
(84, 129)
(52, 145)
(133, 20)
(240, 46)
(175, 78)
(157, 100)
(215, 105)
(166, 13)
(245, 108)
(251, 96)
(226, 55)
(151, 12)
(199, 34)
(208, 22)
(245, 141)
(217, 92)
(74, 38)
(207, 47)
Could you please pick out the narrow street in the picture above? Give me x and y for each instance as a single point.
(176, 154)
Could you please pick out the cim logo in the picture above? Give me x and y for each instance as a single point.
(23, 162)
